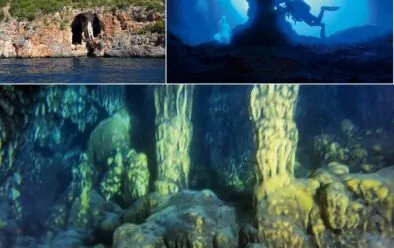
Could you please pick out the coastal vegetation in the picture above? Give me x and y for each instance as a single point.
(30, 9)
(156, 27)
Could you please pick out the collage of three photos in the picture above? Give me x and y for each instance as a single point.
(196, 124)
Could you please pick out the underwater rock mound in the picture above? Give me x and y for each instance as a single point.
(264, 27)
(189, 218)
(368, 62)
(331, 208)
(111, 134)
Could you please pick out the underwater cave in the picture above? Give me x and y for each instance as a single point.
(201, 21)
(80, 26)
(117, 171)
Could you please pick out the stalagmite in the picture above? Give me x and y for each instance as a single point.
(173, 136)
(276, 135)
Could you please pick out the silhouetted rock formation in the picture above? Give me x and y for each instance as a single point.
(264, 27)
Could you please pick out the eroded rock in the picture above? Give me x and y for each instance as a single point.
(188, 219)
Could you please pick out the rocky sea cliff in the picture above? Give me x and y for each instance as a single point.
(127, 32)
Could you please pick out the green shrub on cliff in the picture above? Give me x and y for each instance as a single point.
(157, 27)
(3, 3)
(158, 5)
(30, 9)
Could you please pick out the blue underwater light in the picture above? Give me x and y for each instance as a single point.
(352, 13)
(241, 6)
(206, 20)
(224, 35)
(233, 13)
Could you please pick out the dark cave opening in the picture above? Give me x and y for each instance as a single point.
(96, 26)
(76, 28)
(79, 26)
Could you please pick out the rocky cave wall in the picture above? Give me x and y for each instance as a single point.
(223, 130)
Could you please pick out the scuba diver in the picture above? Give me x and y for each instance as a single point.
(299, 11)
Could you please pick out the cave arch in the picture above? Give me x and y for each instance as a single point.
(79, 27)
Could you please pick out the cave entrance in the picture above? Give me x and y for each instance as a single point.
(76, 28)
(242, 7)
(96, 26)
(80, 27)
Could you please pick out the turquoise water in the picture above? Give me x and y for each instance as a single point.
(82, 70)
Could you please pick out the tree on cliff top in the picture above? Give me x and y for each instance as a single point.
(6, 13)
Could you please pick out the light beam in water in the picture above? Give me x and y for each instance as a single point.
(242, 7)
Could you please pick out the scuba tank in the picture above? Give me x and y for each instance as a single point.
(300, 6)
(297, 9)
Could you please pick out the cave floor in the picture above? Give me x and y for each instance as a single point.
(212, 63)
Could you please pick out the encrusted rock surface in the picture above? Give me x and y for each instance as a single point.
(187, 219)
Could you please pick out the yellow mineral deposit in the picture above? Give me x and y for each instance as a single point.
(110, 134)
(276, 135)
(173, 105)
(331, 200)
(136, 179)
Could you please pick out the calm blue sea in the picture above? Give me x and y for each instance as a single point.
(82, 70)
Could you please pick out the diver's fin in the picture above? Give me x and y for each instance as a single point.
(330, 8)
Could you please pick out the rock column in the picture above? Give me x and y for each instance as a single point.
(173, 105)
(276, 135)
(264, 27)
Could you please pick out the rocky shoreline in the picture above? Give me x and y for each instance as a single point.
(85, 32)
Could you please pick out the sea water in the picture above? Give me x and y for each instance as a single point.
(82, 70)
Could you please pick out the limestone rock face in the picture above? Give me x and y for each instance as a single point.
(6, 49)
(52, 35)
(137, 51)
